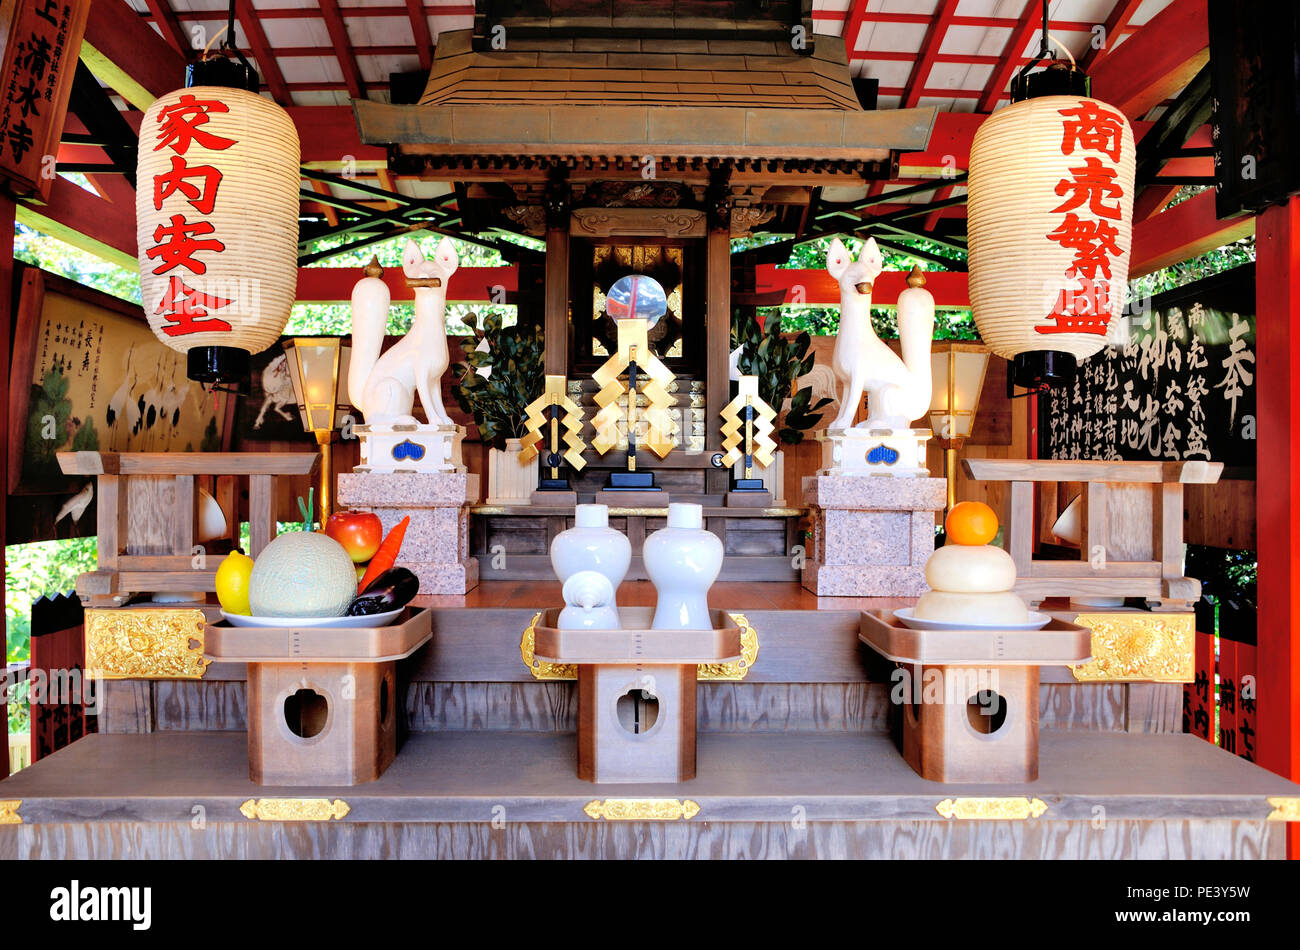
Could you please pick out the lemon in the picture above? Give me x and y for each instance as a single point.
(232, 583)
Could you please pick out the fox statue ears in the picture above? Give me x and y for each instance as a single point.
(445, 259)
(838, 258)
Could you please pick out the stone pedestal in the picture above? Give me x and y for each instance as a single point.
(436, 547)
(871, 536)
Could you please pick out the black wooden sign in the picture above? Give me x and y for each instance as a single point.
(1182, 388)
(1255, 64)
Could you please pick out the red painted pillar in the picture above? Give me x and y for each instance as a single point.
(6, 322)
(1277, 490)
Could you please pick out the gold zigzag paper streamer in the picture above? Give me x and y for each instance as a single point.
(570, 424)
(633, 347)
(763, 447)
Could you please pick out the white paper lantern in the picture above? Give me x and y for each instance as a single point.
(1050, 224)
(217, 200)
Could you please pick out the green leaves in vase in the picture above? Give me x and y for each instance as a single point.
(498, 401)
(778, 362)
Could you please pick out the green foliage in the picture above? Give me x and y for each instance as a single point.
(825, 321)
(87, 438)
(53, 255)
(777, 361)
(47, 423)
(33, 571)
(498, 401)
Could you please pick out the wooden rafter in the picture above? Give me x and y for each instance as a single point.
(420, 28)
(853, 26)
(1156, 61)
(925, 60)
(262, 52)
(1116, 25)
(171, 28)
(347, 58)
(1029, 23)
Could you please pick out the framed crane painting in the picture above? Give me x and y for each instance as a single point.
(96, 379)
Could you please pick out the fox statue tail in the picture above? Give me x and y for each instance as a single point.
(915, 331)
(370, 301)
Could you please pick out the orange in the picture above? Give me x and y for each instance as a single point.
(971, 522)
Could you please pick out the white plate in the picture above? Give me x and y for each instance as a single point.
(1037, 621)
(372, 620)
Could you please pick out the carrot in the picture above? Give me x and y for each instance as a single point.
(386, 556)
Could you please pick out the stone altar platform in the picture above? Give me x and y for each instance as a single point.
(871, 536)
(436, 547)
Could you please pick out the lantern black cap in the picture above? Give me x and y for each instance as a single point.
(223, 70)
(217, 365)
(1058, 79)
(1040, 369)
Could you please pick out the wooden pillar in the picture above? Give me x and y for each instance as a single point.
(557, 201)
(1277, 491)
(6, 324)
(717, 334)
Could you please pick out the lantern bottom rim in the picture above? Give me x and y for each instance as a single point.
(217, 364)
(1039, 369)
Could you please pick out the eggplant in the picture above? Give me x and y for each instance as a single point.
(391, 590)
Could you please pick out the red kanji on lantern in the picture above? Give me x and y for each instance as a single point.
(1092, 128)
(1091, 185)
(181, 124)
(175, 180)
(1093, 243)
(187, 310)
(1085, 309)
(180, 246)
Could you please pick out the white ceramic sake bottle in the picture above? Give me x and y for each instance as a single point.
(683, 561)
(589, 603)
(592, 545)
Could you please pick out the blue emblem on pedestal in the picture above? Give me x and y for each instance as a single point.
(410, 450)
(882, 455)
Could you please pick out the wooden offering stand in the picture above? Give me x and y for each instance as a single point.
(145, 515)
(1131, 521)
(636, 691)
(970, 697)
(322, 703)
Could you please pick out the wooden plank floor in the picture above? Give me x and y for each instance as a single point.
(461, 777)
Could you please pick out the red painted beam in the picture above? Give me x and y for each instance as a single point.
(1030, 22)
(1157, 61)
(128, 55)
(1277, 492)
(420, 29)
(78, 217)
(1116, 25)
(818, 287)
(329, 134)
(853, 26)
(262, 52)
(934, 35)
(1186, 230)
(338, 31)
(468, 284)
(171, 28)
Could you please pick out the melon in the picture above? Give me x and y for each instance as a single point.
(302, 574)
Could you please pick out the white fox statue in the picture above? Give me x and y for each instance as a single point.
(384, 387)
(898, 390)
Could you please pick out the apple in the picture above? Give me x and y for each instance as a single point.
(358, 531)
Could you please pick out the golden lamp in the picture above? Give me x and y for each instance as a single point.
(316, 365)
(958, 372)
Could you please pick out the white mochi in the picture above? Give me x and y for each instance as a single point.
(983, 609)
(970, 569)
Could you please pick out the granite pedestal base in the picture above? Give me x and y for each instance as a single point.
(871, 536)
(436, 547)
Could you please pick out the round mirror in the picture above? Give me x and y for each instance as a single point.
(636, 296)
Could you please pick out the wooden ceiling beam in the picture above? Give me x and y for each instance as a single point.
(125, 53)
(1030, 22)
(338, 31)
(924, 62)
(420, 28)
(170, 27)
(262, 52)
(1116, 26)
(1157, 61)
(1186, 230)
